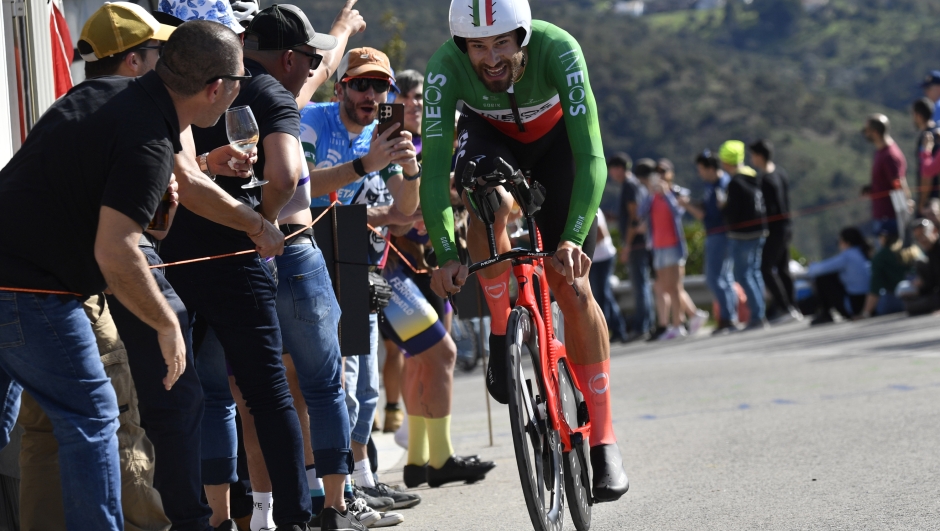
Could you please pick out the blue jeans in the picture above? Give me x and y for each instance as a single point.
(47, 347)
(747, 256)
(642, 290)
(219, 436)
(172, 418)
(362, 386)
(236, 296)
(309, 315)
(604, 295)
(719, 276)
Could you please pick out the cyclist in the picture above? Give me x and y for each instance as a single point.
(527, 100)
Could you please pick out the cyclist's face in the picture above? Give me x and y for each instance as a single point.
(496, 60)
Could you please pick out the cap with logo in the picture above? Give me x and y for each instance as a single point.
(116, 27)
(211, 10)
(932, 78)
(365, 62)
(282, 27)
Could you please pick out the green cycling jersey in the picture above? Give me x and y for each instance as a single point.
(554, 87)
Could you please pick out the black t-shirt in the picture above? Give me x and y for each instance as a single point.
(633, 192)
(744, 211)
(275, 110)
(110, 141)
(776, 188)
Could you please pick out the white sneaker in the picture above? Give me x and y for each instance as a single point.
(387, 520)
(401, 435)
(697, 321)
(673, 332)
(366, 515)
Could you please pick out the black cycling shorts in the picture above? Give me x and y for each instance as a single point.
(549, 159)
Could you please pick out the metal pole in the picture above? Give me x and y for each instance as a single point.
(480, 340)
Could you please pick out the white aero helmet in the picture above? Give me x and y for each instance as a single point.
(473, 19)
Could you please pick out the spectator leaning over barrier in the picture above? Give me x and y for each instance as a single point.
(931, 88)
(718, 262)
(927, 282)
(890, 265)
(41, 503)
(842, 282)
(121, 135)
(888, 188)
(745, 218)
(775, 258)
(928, 180)
(633, 251)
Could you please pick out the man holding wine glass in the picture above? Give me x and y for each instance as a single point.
(121, 134)
(237, 295)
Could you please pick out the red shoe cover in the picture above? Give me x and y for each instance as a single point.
(594, 380)
(497, 299)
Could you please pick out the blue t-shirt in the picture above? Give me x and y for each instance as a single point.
(936, 112)
(326, 143)
(713, 220)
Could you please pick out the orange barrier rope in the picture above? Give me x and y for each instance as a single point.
(181, 262)
(400, 255)
(248, 251)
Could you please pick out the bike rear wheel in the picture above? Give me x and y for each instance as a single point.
(537, 445)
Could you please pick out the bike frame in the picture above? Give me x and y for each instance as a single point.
(529, 265)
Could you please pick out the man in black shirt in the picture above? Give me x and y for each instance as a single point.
(746, 220)
(775, 258)
(237, 295)
(633, 250)
(118, 137)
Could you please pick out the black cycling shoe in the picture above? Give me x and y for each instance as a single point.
(496, 380)
(415, 475)
(459, 469)
(610, 481)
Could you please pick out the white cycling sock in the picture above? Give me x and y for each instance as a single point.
(261, 516)
(362, 474)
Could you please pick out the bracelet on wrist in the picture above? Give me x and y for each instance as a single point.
(260, 232)
(203, 161)
(412, 177)
(359, 167)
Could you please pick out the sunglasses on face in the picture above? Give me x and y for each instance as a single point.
(231, 77)
(315, 58)
(158, 48)
(362, 84)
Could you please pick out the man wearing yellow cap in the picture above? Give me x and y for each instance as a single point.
(745, 218)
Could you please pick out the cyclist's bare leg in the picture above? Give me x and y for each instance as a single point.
(588, 349)
(586, 338)
(433, 387)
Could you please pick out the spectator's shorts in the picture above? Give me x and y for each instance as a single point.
(670, 256)
(410, 320)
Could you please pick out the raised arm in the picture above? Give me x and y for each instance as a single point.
(347, 23)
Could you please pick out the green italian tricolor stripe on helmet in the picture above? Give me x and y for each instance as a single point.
(483, 12)
(476, 19)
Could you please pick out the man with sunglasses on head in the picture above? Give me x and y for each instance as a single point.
(237, 295)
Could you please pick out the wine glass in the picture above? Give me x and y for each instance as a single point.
(242, 130)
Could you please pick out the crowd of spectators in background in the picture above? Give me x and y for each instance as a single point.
(887, 264)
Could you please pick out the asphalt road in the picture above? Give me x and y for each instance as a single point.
(834, 427)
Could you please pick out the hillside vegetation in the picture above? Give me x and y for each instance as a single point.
(671, 84)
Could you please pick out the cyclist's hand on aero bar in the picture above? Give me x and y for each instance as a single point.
(570, 260)
(449, 278)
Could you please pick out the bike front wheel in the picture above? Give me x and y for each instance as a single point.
(537, 445)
